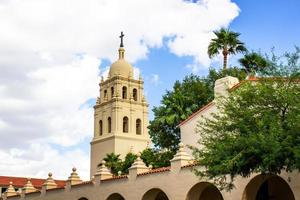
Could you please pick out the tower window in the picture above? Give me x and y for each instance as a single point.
(138, 127)
(124, 92)
(125, 124)
(109, 125)
(100, 128)
(105, 93)
(112, 91)
(134, 94)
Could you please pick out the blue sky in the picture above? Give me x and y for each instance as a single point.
(262, 24)
(52, 54)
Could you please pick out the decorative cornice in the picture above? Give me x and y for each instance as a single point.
(115, 136)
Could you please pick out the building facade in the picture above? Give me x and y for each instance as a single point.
(121, 127)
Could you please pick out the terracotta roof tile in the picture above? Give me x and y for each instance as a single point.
(116, 178)
(198, 111)
(83, 183)
(190, 165)
(19, 182)
(157, 170)
(250, 78)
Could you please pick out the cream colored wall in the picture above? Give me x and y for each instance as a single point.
(176, 185)
(188, 129)
(99, 151)
(188, 133)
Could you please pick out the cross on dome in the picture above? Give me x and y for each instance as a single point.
(121, 36)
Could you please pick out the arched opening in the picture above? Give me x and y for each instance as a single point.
(155, 194)
(112, 92)
(100, 127)
(125, 124)
(124, 92)
(268, 187)
(134, 94)
(109, 125)
(83, 198)
(115, 196)
(204, 191)
(138, 127)
(105, 93)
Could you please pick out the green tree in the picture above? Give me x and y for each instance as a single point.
(214, 75)
(227, 42)
(176, 105)
(185, 98)
(156, 158)
(113, 162)
(257, 129)
(127, 163)
(253, 62)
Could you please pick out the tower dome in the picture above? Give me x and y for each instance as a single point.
(121, 67)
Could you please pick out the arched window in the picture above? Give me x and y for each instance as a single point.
(109, 125)
(134, 94)
(112, 91)
(100, 127)
(124, 92)
(125, 124)
(138, 127)
(105, 93)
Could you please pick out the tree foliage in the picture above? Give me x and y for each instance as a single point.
(176, 105)
(149, 156)
(257, 129)
(156, 158)
(185, 98)
(227, 42)
(253, 62)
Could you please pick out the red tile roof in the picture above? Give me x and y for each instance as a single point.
(116, 178)
(19, 182)
(157, 170)
(250, 78)
(198, 111)
(190, 165)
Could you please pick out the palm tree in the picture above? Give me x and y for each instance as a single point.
(253, 62)
(227, 42)
(113, 162)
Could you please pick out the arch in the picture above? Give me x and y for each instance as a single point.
(204, 191)
(134, 94)
(125, 124)
(138, 127)
(100, 127)
(112, 92)
(105, 93)
(109, 125)
(267, 187)
(115, 196)
(124, 92)
(155, 194)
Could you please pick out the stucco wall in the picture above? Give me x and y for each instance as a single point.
(176, 185)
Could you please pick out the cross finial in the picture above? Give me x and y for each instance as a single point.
(121, 36)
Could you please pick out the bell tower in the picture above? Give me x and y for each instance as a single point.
(120, 113)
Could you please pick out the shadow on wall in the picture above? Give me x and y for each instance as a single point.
(204, 191)
(115, 196)
(155, 194)
(268, 187)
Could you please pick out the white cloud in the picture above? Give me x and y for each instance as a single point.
(154, 79)
(40, 159)
(50, 56)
